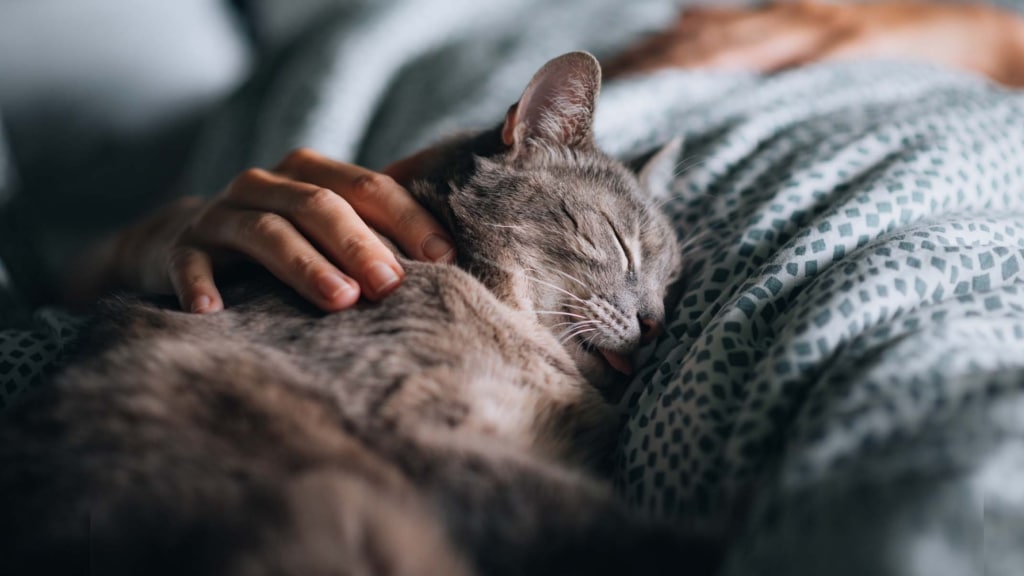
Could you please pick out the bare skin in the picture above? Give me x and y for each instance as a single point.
(775, 37)
(310, 221)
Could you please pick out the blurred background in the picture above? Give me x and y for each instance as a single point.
(102, 96)
(102, 100)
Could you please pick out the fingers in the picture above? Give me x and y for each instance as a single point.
(191, 275)
(313, 225)
(273, 242)
(331, 223)
(378, 199)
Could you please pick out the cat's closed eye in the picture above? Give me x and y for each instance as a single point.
(627, 258)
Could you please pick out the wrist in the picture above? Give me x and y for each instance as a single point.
(132, 258)
(93, 272)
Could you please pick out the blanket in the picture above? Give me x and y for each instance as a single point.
(840, 388)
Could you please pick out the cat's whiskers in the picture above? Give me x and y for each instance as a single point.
(583, 309)
(496, 225)
(687, 163)
(678, 170)
(571, 277)
(558, 313)
(574, 324)
(558, 288)
(581, 345)
(694, 239)
(523, 273)
(575, 334)
(576, 307)
(589, 325)
(662, 202)
(582, 306)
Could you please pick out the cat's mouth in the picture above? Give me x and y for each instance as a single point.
(617, 361)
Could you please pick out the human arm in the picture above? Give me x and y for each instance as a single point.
(310, 222)
(979, 38)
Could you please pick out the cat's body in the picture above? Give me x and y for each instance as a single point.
(445, 431)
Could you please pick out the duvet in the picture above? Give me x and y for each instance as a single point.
(841, 386)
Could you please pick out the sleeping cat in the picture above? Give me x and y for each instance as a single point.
(447, 430)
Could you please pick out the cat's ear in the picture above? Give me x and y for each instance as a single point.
(557, 106)
(658, 171)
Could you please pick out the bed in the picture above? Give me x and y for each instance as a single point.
(841, 386)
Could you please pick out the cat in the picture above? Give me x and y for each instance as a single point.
(452, 429)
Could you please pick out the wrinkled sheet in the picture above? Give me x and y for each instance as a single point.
(841, 387)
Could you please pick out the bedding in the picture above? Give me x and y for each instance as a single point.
(841, 386)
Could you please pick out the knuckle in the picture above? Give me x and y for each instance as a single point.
(370, 185)
(189, 281)
(187, 203)
(317, 201)
(409, 219)
(304, 264)
(206, 220)
(185, 275)
(297, 158)
(190, 232)
(263, 224)
(178, 259)
(356, 247)
(246, 179)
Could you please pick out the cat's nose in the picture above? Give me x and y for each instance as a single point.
(650, 327)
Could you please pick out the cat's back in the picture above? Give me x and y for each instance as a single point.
(439, 354)
(209, 420)
(440, 317)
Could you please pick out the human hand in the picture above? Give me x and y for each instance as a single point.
(777, 36)
(310, 222)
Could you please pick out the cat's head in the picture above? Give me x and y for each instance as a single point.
(553, 225)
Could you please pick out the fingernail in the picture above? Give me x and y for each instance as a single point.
(201, 304)
(332, 286)
(381, 277)
(437, 248)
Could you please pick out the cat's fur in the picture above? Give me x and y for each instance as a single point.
(446, 430)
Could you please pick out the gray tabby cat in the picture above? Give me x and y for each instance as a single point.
(447, 430)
